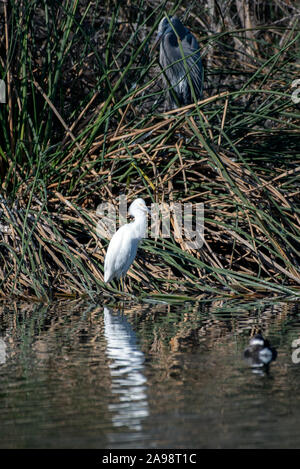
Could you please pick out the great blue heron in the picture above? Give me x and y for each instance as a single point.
(180, 58)
(124, 243)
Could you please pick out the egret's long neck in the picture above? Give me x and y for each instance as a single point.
(140, 225)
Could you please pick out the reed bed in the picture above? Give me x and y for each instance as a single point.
(85, 122)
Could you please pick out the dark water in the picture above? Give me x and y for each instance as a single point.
(77, 375)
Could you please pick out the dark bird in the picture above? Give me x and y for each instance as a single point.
(259, 353)
(180, 59)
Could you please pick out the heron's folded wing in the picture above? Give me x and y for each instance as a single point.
(192, 56)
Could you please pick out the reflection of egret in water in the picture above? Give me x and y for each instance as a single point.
(126, 369)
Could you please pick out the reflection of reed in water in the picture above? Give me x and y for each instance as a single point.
(126, 369)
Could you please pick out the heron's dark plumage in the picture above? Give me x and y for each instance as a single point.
(181, 61)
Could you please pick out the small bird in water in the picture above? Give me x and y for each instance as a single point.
(259, 353)
(123, 245)
(180, 58)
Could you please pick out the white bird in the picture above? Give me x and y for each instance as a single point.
(123, 245)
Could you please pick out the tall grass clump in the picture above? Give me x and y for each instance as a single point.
(84, 122)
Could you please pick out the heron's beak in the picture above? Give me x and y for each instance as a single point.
(156, 42)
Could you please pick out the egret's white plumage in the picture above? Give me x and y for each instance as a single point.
(124, 243)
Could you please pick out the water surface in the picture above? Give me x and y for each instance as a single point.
(79, 375)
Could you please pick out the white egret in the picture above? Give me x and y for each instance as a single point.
(123, 245)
